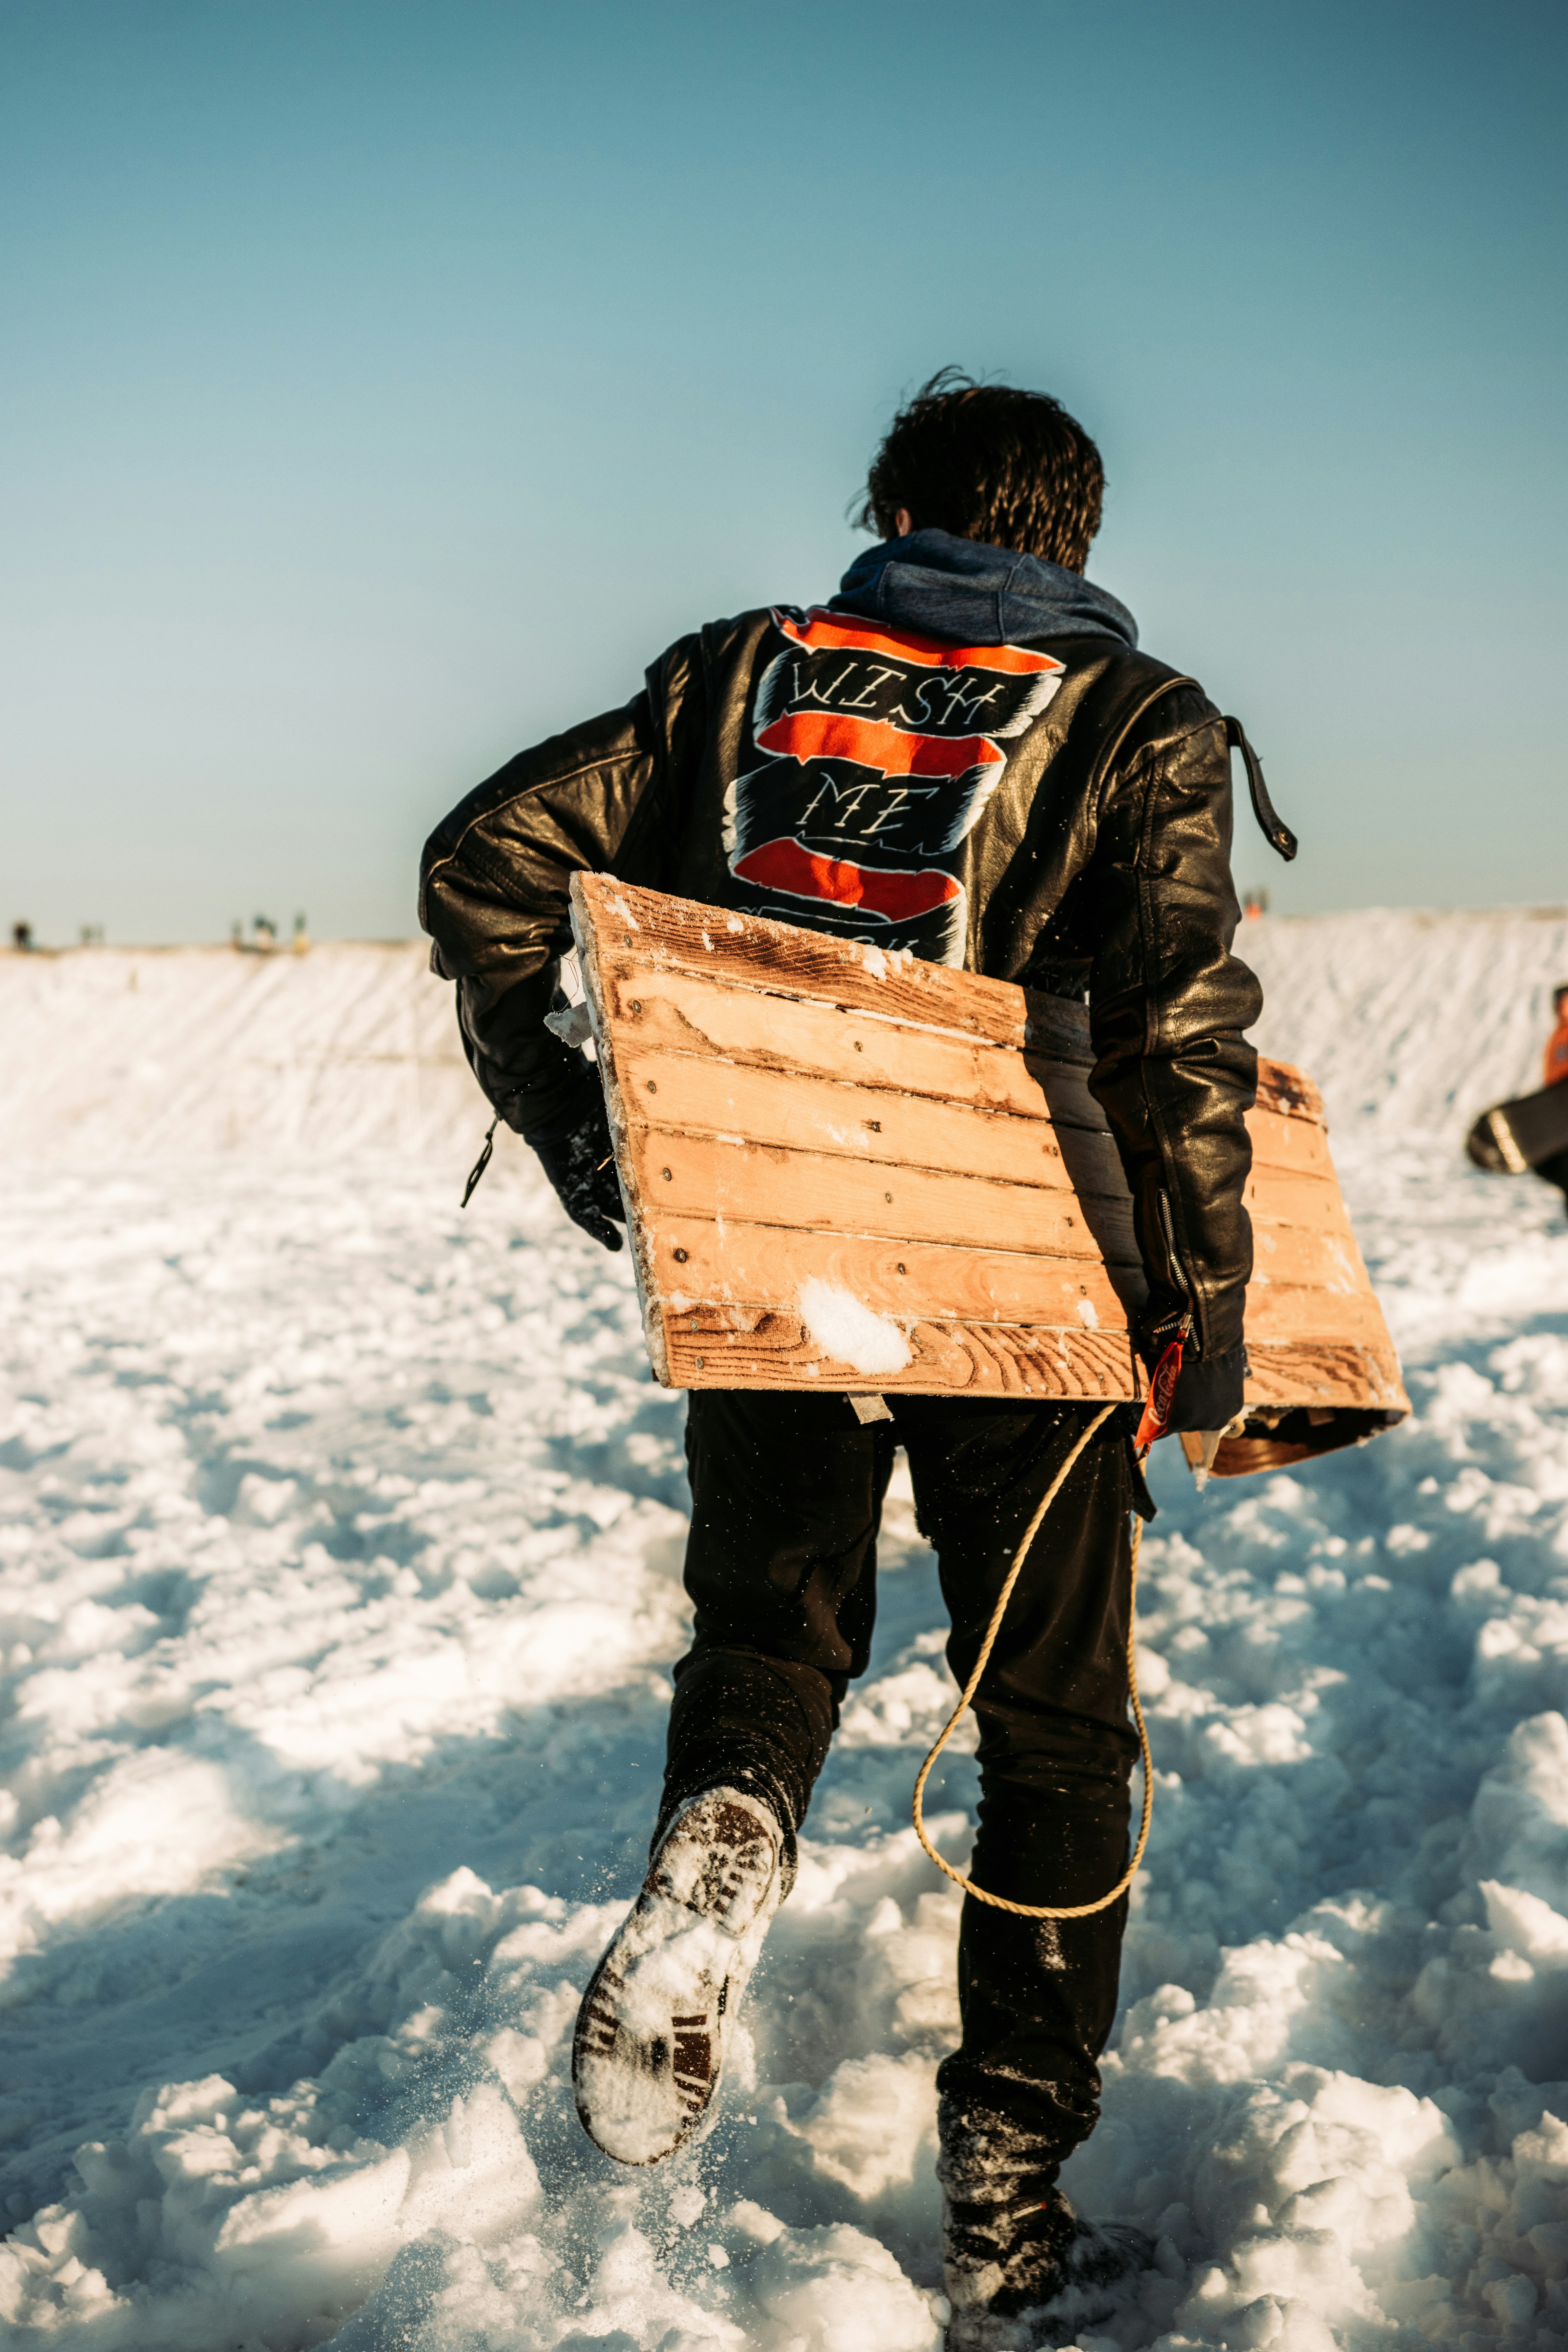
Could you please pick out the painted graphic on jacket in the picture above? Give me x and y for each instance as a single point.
(880, 751)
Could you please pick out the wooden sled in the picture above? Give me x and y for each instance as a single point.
(854, 1171)
(1513, 1137)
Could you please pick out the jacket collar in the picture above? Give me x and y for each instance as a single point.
(943, 586)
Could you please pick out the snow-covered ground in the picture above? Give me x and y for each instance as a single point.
(339, 1543)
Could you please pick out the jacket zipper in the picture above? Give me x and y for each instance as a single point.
(1178, 1270)
(1156, 1418)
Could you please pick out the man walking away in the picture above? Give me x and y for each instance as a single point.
(962, 753)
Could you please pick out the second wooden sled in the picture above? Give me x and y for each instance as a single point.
(854, 1171)
(1513, 1139)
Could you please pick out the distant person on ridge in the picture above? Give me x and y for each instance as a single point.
(1556, 1065)
(1084, 851)
(1555, 1074)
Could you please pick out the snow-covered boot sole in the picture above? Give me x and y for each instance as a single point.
(650, 2040)
(1096, 2276)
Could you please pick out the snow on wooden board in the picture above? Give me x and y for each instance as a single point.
(862, 1171)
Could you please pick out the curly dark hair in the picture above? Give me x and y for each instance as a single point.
(988, 462)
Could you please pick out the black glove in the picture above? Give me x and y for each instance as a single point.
(1208, 1390)
(580, 1161)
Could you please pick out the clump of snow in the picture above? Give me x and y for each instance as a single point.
(849, 1331)
(340, 1541)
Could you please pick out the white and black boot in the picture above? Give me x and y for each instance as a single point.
(650, 2040)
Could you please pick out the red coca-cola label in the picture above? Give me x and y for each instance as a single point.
(1156, 1418)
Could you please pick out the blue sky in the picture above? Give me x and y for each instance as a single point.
(385, 384)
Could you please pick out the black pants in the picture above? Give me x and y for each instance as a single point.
(787, 1494)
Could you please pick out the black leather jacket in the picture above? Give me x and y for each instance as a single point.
(1097, 864)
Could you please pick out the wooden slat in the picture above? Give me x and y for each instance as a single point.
(1281, 1196)
(973, 1358)
(682, 1013)
(677, 934)
(769, 1184)
(1283, 1142)
(1290, 1313)
(681, 1092)
(723, 1097)
(767, 1266)
(1289, 1092)
(763, 1270)
(771, 1350)
(1325, 1372)
(1330, 1262)
(831, 1193)
(688, 1013)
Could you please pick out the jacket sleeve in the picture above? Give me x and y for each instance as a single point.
(1169, 1003)
(496, 875)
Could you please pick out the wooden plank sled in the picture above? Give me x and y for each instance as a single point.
(854, 1171)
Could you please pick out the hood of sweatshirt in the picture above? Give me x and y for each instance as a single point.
(943, 586)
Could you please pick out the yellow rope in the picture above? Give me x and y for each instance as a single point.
(1000, 1901)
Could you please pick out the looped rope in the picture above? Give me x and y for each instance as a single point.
(1000, 1901)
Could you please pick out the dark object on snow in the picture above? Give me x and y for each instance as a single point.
(1513, 1139)
(22, 936)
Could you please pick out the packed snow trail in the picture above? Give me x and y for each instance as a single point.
(339, 1541)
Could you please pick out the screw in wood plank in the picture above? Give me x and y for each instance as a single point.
(700, 1363)
(636, 1004)
(681, 1257)
(653, 1086)
(668, 1177)
(859, 1047)
(902, 1267)
(888, 1198)
(875, 1124)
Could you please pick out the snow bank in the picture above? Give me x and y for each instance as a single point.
(340, 1541)
(110, 1055)
(1413, 1021)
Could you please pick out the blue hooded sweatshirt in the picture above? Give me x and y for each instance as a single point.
(945, 586)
